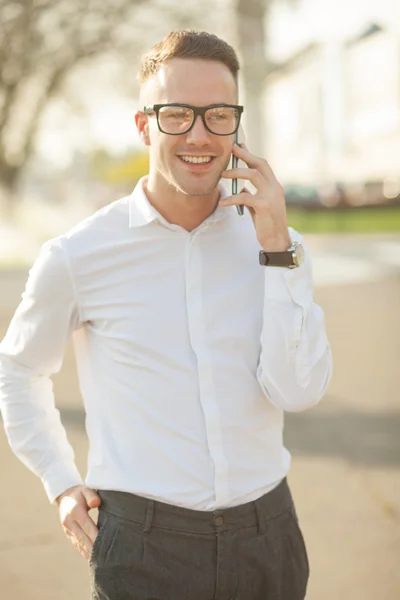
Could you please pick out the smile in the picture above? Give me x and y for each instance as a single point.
(196, 159)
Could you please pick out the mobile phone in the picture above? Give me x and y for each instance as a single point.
(235, 162)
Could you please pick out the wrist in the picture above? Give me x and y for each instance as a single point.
(277, 245)
(289, 258)
(66, 492)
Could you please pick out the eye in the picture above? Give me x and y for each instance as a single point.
(220, 115)
(217, 115)
(176, 114)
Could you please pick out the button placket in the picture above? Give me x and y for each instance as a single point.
(207, 392)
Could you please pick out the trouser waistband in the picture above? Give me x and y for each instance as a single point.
(152, 513)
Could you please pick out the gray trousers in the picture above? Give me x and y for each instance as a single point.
(148, 550)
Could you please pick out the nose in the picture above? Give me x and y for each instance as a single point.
(198, 134)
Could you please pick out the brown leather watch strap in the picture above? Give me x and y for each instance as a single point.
(277, 259)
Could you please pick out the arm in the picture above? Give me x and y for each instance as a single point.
(30, 353)
(295, 362)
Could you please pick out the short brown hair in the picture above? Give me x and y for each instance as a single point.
(188, 43)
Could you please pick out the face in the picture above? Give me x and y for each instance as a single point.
(198, 83)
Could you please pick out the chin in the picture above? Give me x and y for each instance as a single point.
(198, 188)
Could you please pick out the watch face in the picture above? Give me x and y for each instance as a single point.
(299, 255)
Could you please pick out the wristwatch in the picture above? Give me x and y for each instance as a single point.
(291, 258)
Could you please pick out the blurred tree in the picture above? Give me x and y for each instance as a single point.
(41, 43)
(252, 33)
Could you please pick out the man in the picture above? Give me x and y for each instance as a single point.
(188, 352)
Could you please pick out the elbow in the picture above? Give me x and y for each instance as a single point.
(304, 390)
(307, 398)
(295, 400)
(312, 386)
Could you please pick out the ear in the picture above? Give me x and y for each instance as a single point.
(142, 125)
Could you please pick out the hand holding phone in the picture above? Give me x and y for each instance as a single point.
(235, 162)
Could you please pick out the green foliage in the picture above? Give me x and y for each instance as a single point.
(357, 220)
(128, 169)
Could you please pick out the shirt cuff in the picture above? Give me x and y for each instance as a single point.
(289, 285)
(59, 479)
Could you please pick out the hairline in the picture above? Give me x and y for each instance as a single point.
(161, 64)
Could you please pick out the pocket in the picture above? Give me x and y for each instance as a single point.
(101, 524)
(119, 542)
(126, 545)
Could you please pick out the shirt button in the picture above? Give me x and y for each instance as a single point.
(218, 521)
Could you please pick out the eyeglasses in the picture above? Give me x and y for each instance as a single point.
(177, 119)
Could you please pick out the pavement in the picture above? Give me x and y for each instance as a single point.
(345, 473)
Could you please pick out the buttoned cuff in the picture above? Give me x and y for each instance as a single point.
(59, 479)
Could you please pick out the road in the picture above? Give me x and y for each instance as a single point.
(345, 473)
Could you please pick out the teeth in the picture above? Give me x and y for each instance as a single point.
(196, 159)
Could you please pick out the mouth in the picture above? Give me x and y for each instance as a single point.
(197, 162)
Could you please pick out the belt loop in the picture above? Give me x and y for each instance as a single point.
(149, 516)
(260, 517)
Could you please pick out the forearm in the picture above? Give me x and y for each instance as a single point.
(295, 361)
(295, 364)
(34, 429)
(30, 353)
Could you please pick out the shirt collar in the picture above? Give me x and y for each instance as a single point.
(142, 212)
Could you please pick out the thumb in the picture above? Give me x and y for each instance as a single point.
(93, 500)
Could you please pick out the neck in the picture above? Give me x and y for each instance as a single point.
(179, 208)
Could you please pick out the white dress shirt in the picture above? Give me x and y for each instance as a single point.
(188, 352)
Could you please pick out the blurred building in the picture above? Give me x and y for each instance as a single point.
(334, 112)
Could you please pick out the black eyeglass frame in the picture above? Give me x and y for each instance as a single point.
(197, 110)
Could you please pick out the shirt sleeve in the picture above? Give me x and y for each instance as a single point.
(31, 351)
(295, 364)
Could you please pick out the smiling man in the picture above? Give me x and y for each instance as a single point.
(188, 151)
(194, 330)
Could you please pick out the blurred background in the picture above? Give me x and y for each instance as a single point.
(320, 82)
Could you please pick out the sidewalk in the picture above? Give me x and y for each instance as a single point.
(345, 474)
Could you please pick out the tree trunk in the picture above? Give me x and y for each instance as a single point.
(250, 19)
(9, 176)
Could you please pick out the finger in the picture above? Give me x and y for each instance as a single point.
(87, 525)
(93, 500)
(252, 175)
(83, 551)
(249, 208)
(259, 204)
(244, 198)
(79, 516)
(80, 540)
(242, 152)
(79, 545)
